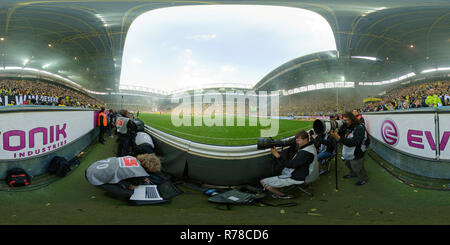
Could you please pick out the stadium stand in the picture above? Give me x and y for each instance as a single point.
(26, 92)
(319, 102)
(412, 96)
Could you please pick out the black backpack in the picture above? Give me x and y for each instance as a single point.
(59, 166)
(17, 177)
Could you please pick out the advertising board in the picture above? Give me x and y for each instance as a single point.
(414, 134)
(444, 135)
(30, 134)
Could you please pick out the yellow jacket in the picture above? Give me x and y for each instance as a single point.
(433, 100)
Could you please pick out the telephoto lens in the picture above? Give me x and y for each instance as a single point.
(321, 126)
(265, 143)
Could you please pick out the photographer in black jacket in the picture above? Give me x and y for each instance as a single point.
(352, 136)
(325, 145)
(296, 170)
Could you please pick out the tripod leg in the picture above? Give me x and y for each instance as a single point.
(336, 170)
(303, 190)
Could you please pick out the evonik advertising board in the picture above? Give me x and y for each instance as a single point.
(30, 134)
(414, 134)
(444, 134)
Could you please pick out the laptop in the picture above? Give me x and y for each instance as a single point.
(146, 194)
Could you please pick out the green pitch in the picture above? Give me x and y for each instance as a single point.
(222, 135)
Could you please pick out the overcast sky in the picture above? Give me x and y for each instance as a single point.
(178, 47)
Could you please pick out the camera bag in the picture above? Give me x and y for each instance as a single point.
(17, 177)
(60, 166)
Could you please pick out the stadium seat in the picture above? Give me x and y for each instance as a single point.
(327, 161)
(313, 175)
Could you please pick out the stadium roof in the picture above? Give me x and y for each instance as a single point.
(83, 40)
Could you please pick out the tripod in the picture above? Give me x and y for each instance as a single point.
(336, 170)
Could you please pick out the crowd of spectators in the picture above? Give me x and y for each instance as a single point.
(27, 92)
(318, 103)
(430, 94)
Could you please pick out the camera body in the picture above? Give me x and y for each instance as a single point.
(321, 126)
(311, 133)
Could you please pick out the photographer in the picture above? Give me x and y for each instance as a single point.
(352, 136)
(112, 119)
(124, 125)
(325, 145)
(119, 176)
(295, 170)
(143, 143)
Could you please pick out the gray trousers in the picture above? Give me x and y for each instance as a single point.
(357, 168)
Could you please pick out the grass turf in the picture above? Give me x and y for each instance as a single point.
(383, 200)
(222, 135)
